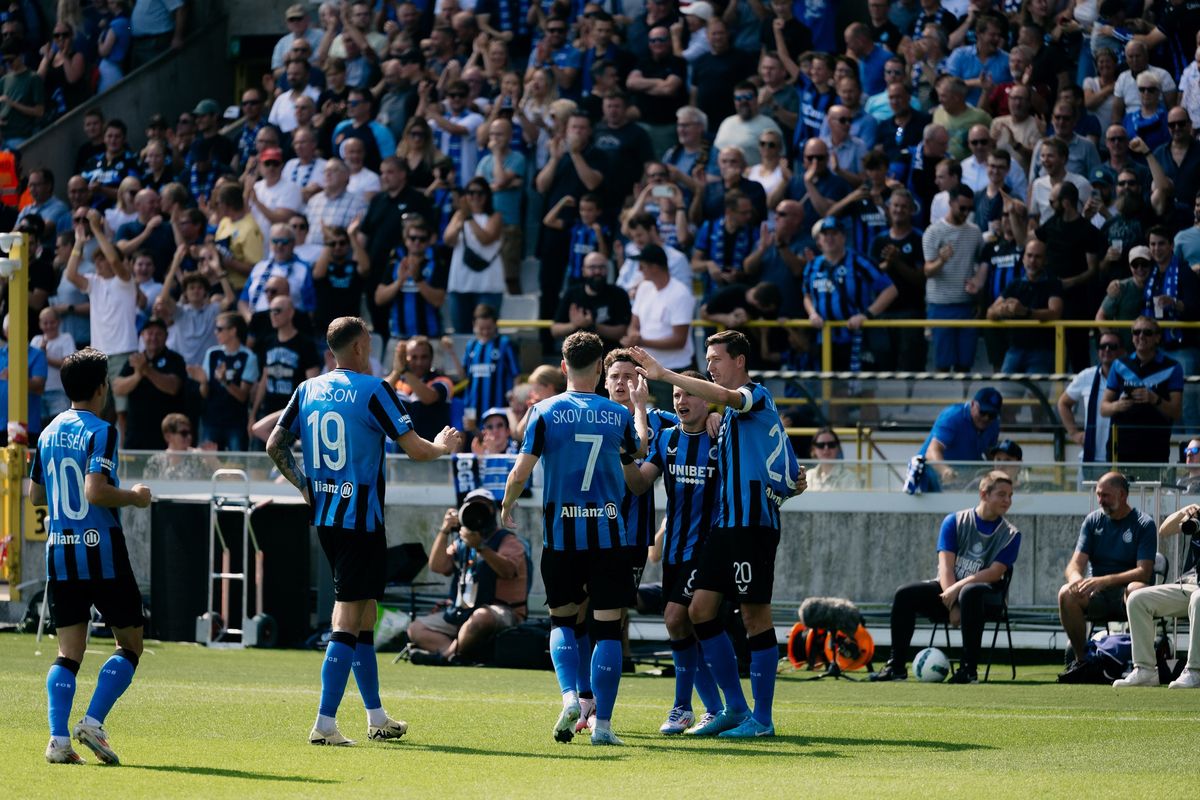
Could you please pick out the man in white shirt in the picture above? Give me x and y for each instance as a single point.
(271, 198)
(1125, 92)
(364, 183)
(662, 313)
(283, 110)
(298, 28)
(1052, 154)
(643, 232)
(307, 169)
(1085, 393)
(112, 293)
(975, 166)
(454, 128)
(743, 128)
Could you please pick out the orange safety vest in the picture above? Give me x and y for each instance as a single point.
(9, 182)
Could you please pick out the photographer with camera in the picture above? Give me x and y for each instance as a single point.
(1168, 600)
(489, 569)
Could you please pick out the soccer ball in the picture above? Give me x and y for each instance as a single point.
(931, 665)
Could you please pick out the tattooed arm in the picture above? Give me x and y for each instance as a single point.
(279, 448)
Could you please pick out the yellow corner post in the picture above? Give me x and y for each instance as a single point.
(15, 268)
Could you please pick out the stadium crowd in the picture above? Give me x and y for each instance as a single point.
(663, 163)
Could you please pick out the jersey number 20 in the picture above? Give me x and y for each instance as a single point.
(329, 436)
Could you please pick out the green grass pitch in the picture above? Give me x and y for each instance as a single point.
(213, 724)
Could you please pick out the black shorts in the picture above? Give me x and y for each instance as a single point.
(679, 582)
(118, 600)
(571, 576)
(739, 563)
(359, 562)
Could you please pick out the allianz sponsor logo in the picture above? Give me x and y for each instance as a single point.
(325, 487)
(90, 537)
(580, 512)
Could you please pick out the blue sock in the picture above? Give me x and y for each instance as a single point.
(366, 670)
(764, 658)
(115, 676)
(606, 675)
(564, 653)
(706, 686)
(583, 675)
(335, 671)
(686, 656)
(60, 693)
(722, 662)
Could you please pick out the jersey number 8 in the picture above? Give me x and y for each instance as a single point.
(328, 434)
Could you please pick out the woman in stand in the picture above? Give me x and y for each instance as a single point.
(476, 270)
(63, 70)
(828, 475)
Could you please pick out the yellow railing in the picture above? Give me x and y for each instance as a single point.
(1058, 326)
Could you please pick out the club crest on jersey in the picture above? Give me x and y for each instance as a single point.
(1127, 536)
(91, 537)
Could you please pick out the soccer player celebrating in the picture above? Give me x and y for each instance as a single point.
(583, 439)
(686, 457)
(75, 475)
(341, 419)
(756, 465)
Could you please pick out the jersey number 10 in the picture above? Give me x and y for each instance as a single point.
(68, 472)
(328, 435)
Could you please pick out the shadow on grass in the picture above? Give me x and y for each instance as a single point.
(738, 745)
(591, 754)
(220, 772)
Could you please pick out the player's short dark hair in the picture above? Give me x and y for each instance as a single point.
(735, 342)
(582, 349)
(342, 331)
(621, 355)
(235, 321)
(989, 481)
(83, 372)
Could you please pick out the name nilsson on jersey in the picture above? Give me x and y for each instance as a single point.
(334, 394)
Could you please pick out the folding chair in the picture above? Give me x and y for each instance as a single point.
(997, 614)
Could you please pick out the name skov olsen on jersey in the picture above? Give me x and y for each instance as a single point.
(572, 416)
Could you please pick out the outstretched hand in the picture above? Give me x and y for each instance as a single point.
(647, 364)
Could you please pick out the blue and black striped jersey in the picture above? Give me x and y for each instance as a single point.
(688, 463)
(839, 291)
(84, 541)
(757, 466)
(492, 368)
(341, 419)
(579, 437)
(638, 512)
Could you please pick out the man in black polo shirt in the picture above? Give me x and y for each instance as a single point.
(1036, 296)
(715, 74)
(593, 305)
(153, 382)
(658, 86)
(1144, 398)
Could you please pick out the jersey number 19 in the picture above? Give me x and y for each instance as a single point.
(328, 434)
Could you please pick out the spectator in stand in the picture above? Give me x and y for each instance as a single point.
(962, 432)
(725, 246)
(417, 289)
(56, 345)
(642, 230)
(624, 143)
(715, 74)
(1052, 155)
(68, 301)
(339, 276)
(148, 231)
(363, 182)
(272, 199)
(905, 126)
(377, 140)
(504, 170)
(594, 305)
(106, 171)
(1019, 131)
(306, 169)
(841, 285)
(38, 372)
(950, 246)
(152, 383)
(734, 306)
(1036, 296)
(202, 175)
(425, 391)
(709, 204)
(1144, 398)
(299, 27)
(454, 126)
(953, 113)
(690, 36)
(662, 313)
(63, 71)
(1148, 120)
(333, 206)
(869, 54)
(157, 173)
(817, 94)
(122, 211)
(156, 25)
(227, 375)
(743, 129)
(1126, 92)
(284, 109)
(658, 87)
(111, 292)
(476, 273)
(93, 145)
(53, 211)
(1180, 161)
(898, 252)
(193, 318)
(915, 168)
(491, 365)
(975, 166)
(1190, 480)
(984, 63)
(208, 128)
(846, 151)
(286, 358)
(281, 262)
(238, 238)
(113, 48)
(1085, 393)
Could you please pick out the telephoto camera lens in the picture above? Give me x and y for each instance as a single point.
(477, 516)
(1191, 526)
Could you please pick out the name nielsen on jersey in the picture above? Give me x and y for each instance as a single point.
(579, 512)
